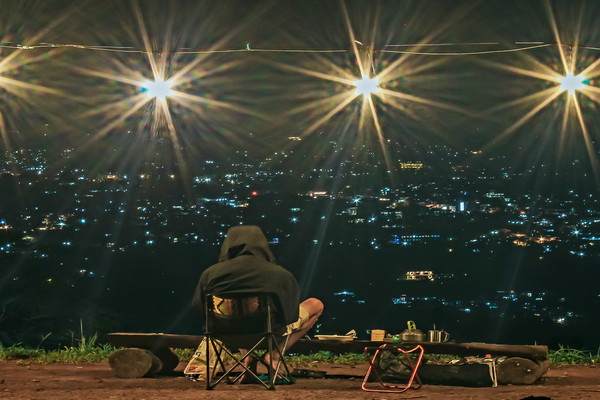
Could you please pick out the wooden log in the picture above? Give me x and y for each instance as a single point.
(134, 363)
(154, 340)
(519, 371)
(537, 353)
(475, 375)
(513, 371)
(544, 367)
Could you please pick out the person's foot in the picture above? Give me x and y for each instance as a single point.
(248, 378)
(251, 363)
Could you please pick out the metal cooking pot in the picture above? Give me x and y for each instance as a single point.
(412, 334)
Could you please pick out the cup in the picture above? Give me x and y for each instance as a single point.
(377, 335)
(437, 336)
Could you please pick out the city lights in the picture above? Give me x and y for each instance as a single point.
(367, 86)
(571, 83)
(158, 89)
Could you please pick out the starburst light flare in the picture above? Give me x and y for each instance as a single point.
(580, 92)
(158, 89)
(571, 83)
(20, 89)
(156, 84)
(361, 97)
(367, 86)
(351, 88)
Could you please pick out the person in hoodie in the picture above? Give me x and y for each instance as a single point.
(246, 265)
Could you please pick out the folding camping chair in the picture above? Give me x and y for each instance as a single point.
(244, 322)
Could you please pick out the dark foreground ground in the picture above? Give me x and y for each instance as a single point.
(96, 381)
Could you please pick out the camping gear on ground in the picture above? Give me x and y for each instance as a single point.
(461, 371)
(412, 334)
(410, 360)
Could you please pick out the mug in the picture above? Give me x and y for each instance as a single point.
(437, 336)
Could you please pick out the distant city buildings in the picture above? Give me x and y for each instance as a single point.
(419, 276)
(412, 165)
(68, 219)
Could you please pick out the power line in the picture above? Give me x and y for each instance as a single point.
(247, 49)
(466, 53)
(260, 51)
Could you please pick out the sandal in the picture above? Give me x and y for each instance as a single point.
(282, 379)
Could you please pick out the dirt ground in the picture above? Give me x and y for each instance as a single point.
(96, 381)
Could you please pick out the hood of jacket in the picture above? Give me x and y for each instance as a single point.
(246, 240)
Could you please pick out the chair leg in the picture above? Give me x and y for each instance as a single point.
(209, 372)
(219, 349)
(274, 368)
(271, 370)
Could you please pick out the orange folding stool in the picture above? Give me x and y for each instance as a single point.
(413, 367)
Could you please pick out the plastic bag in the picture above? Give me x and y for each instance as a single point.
(196, 368)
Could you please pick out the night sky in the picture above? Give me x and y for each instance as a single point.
(87, 98)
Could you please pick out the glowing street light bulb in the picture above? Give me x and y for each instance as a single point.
(571, 83)
(366, 86)
(159, 89)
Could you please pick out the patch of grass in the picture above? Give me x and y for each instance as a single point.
(302, 360)
(18, 352)
(88, 350)
(26, 355)
(568, 356)
(184, 354)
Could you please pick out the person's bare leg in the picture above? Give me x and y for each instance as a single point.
(315, 309)
(248, 361)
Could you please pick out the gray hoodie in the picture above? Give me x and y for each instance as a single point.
(246, 266)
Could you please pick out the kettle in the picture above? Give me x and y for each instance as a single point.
(412, 334)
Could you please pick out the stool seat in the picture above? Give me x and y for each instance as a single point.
(414, 382)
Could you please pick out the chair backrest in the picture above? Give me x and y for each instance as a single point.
(241, 314)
